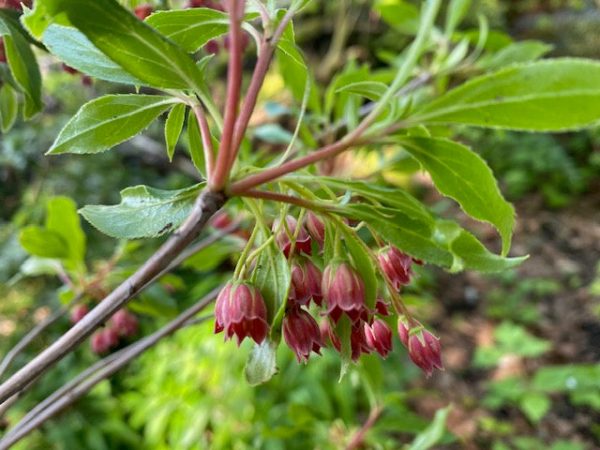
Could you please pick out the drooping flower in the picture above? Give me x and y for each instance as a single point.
(382, 307)
(301, 333)
(283, 237)
(396, 266)
(328, 336)
(240, 309)
(379, 337)
(124, 323)
(424, 348)
(143, 11)
(103, 340)
(306, 282)
(343, 291)
(316, 228)
(78, 313)
(359, 343)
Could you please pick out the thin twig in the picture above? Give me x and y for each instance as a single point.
(35, 332)
(207, 145)
(206, 205)
(82, 384)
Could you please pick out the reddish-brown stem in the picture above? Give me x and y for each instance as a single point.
(234, 82)
(268, 195)
(273, 173)
(265, 56)
(358, 439)
(209, 152)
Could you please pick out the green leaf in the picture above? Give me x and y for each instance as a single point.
(433, 433)
(273, 134)
(190, 28)
(173, 127)
(373, 90)
(363, 263)
(552, 95)
(261, 364)
(400, 14)
(107, 121)
(135, 46)
(535, 405)
(143, 212)
(272, 277)
(462, 175)
(9, 107)
(195, 146)
(518, 52)
(73, 48)
(42, 242)
(62, 218)
(23, 64)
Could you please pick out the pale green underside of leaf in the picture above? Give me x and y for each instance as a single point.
(108, 121)
(462, 175)
(190, 28)
(262, 363)
(135, 46)
(143, 212)
(551, 95)
(74, 49)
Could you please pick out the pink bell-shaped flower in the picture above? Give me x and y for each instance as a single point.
(359, 343)
(283, 237)
(379, 337)
(301, 333)
(306, 283)
(240, 310)
(343, 291)
(396, 266)
(424, 348)
(316, 228)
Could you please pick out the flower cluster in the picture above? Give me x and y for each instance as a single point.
(122, 325)
(334, 296)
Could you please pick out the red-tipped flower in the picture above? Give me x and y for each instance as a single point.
(124, 323)
(143, 11)
(379, 337)
(306, 283)
(343, 291)
(424, 348)
(316, 228)
(301, 333)
(241, 310)
(396, 265)
(283, 237)
(103, 340)
(359, 343)
(78, 313)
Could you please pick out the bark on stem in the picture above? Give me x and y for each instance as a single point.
(206, 205)
(82, 384)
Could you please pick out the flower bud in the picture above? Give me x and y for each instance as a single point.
(306, 283)
(358, 341)
(241, 310)
(396, 266)
(103, 340)
(379, 337)
(316, 228)
(78, 313)
(283, 239)
(301, 333)
(328, 336)
(343, 291)
(423, 347)
(143, 11)
(212, 47)
(124, 323)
